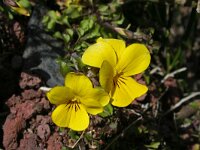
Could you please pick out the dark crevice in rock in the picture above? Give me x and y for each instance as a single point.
(42, 50)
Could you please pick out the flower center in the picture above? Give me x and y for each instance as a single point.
(75, 99)
(116, 79)
(74, 105)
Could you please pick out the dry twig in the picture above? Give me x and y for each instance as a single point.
(172, 74)
(45, 89)
(182, 101)
(77, 140)
(198, 6)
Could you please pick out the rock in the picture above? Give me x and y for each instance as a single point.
(16, 121)
(42, 50)
(16, 62)
(43, 131)
(28, 81)
(11, 128)
(54, 142)
(31, 94)
(29, 142)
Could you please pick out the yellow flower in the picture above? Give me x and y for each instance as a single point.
(75, 100)
(17, 7)
(117, 64)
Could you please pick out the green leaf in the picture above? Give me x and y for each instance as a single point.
(65, 148)
(147, 78)
(80, 64)
(45, 19)
(25, 3)
(70, 32)
(84, 44)
(80, 32)
(57, 35)
(119, 19)
(94, 33)
(77, 47)
(103, 8)
(87, 24)
(73, 11)
(88, 136)
(73, 134)
(64, 67)
(153, 145)
(61, 129)
(10, 15)
(1, 8)
(66, 37)
(51, 24)
(108, 111)
(195, 105)
(65, 20)
(53, 15)
(176, 58)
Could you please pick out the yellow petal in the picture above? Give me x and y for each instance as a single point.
(106, 75)
(118, 45)
(79, 83)
(73, 116)
(135, 59)
(97, 53)
(95, 100)
(126, 90)
(98, 94)
(21, 11)
(60, 95)
(92, 106)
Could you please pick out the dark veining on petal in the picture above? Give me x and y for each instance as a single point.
(77, 107)
(121, 80)
(72, 105)
(118, 78)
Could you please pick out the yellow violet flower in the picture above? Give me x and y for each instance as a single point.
(117, 64)
(17, 7)
(75, 100)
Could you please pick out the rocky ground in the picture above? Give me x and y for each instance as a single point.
(28, 61)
